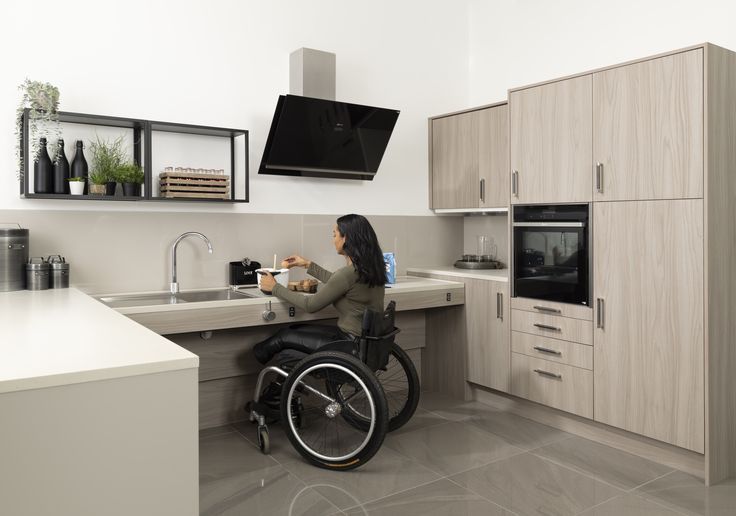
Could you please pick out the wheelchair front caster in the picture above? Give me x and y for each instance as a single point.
(264, 443)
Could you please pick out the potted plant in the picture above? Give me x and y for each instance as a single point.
(131, 176)
(107, 157)
(41, 99)
(98, 183)
(76, 185)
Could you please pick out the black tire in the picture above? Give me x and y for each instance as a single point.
(328, 368)
(401, 407)
(264, 441)
(401, 386)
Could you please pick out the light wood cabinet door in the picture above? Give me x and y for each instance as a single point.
(493, 162)
(489, 346)
(648, 129)
(455, 157)
(648, 339)
(550, 142)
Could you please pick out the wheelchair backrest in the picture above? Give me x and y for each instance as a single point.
(378, 336)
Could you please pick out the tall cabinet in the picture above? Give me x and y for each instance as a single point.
(651, 145)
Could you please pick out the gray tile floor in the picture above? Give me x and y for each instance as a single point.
(455, 459)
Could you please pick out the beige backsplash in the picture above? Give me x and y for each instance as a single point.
(495, 226)
(127, 252)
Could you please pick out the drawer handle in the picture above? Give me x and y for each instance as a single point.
(547, 309)
(548, 374)
(547, 327)
(547, 350)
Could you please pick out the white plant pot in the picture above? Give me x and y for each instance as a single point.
(280, 275)
(76, 187)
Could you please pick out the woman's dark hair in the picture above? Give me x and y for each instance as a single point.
(362, 247)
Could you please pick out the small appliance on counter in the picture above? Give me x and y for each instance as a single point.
(243, 272)
(13, 257)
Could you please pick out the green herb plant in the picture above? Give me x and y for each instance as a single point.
(107, 157)
(130, 173)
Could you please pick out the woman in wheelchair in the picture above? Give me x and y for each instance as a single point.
(340, 388)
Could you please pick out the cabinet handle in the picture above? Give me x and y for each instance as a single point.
(547, 309)
(499, 305)
(599, 177)
(483, 190)
(600, 309)
(547, 373)
(547, 350)
(515, 183)
(547, 327)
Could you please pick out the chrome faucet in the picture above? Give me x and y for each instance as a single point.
(174, 284)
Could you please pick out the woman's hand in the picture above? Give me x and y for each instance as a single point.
(295, 261)
(267, 281)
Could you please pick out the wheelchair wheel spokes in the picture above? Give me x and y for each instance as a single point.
(315, 424)
(400, 382)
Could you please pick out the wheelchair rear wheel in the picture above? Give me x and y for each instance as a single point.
(323, 436)
(400, 383)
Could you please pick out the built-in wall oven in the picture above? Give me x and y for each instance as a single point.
(551, 253)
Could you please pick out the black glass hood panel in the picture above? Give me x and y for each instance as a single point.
(323, 138)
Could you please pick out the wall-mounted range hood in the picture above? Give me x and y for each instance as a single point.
(313, 135)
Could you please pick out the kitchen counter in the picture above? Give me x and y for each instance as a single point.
(62, 336)
(445, 270)
(409, 292)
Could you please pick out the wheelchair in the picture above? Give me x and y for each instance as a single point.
(337, 404)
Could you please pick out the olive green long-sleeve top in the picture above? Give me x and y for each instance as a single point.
(341, 289)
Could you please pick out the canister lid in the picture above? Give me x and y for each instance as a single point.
(41, 265)
(58, 262)
(6, 231)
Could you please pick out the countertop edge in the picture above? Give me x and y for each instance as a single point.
(498, 274)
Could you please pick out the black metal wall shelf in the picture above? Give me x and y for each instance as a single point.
(142, 154)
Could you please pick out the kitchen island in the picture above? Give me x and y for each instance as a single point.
(93, 403)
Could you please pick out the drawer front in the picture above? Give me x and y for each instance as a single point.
(552, 308)
(554, 350)
(553, 326)
(556, 385)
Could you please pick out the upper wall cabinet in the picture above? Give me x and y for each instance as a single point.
(648, 129)
(469, 159)
(550, 137)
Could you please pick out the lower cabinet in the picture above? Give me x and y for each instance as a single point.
(486, 316)
(553, 384)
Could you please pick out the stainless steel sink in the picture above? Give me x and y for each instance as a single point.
(164, 298)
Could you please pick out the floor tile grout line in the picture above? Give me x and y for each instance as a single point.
(652, 480)
(363, 504)
(596, 478)
(482, 496)
(654, 501)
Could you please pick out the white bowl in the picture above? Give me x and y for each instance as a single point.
(280, 275)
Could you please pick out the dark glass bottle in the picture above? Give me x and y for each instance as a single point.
(43, 171)
(79, 164)
(61, 170)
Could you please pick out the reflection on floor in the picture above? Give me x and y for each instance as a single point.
(453, 458)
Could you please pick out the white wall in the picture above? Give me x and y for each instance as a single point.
(518, 42)
(224, 63)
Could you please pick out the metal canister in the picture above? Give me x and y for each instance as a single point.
(37, 274)
(13, 257)
(59, 272)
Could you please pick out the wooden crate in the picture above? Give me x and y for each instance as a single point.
(191, 185)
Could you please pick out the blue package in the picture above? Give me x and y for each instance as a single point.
(390, 261)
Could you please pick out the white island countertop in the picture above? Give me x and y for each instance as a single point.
(449, 270)
(63, 336)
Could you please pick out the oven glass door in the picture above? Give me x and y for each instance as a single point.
(551, 261)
